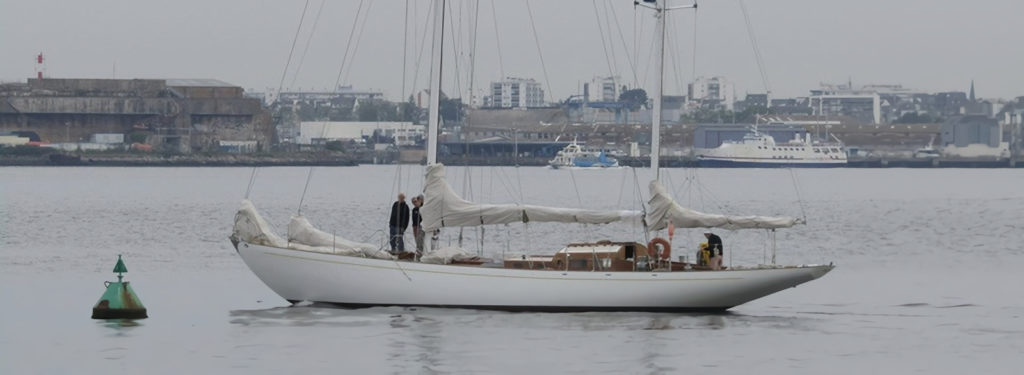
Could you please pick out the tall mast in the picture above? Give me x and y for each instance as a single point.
(660, 12)
(435, 82)
(659, 69)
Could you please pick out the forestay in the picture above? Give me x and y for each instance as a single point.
(664, 209)
(443, 208)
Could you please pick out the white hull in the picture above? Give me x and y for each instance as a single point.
(362, 282)
(757, 149)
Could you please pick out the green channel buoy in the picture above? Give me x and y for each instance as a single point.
(119, 301)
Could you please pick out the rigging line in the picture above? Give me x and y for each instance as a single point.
(636, 47)
(622, 188)
(405, 53)
(692, 186)
(348, 44)
(455, 52)
(693, 72)
(579, 199)
(632, 63)
(678, 56)
(714, 201)
(395, 259)
(519, 180)
(284, 74)
(467, 184)
(408, 180)
(506, 181)
(536, 39)
(757, 49)
(611, 42)
(497, 172)
(419, 55)
(309, 177)
(677, 188)
(650, 60)
(643, 206)
(673, 54)
(607, 58)
(252, 181)
(366, 17)
(635, 194)
(799, 199)
(497, 41)
(575, 187)
(309, 41)
(472, 56)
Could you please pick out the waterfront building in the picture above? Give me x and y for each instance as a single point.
(864, 104)
(603, 89)
(974, 136)
(516, 93)
(176, 115)
(321, 132)
(711, 93)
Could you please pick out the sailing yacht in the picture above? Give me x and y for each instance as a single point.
(593, 275)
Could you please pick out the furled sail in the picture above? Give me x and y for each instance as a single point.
(662, 209)
(252, 228)
(443, 208)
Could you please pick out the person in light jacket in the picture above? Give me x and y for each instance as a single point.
(417, 220)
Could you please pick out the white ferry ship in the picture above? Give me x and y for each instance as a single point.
(574, 155)
(757, 150)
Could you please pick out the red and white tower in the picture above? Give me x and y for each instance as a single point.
(40, 65)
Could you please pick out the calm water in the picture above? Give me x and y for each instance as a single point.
(929, 276)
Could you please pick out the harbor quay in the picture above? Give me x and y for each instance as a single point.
(208, 122)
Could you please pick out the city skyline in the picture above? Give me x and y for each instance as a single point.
(930, 46)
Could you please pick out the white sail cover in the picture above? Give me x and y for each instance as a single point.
(252, 228)
(662, 209)
(300, 231)
(443, 208)
(446, 255)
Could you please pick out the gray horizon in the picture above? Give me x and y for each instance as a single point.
(931, 46)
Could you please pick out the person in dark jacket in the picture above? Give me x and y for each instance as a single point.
(399, 221)
(417, 227)
(716, 248)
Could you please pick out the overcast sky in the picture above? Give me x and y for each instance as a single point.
(929, 45)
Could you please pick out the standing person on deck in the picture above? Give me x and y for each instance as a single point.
(399, 221)
(417, 228)
(717, 250)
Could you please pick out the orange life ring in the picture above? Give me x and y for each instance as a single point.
(665, 254)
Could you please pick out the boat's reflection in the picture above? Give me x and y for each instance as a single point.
(423, 317)
(417, 340)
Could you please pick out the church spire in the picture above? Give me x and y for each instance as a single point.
(972, 91)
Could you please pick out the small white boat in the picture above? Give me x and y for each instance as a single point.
(927, 152)
(575, 155)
